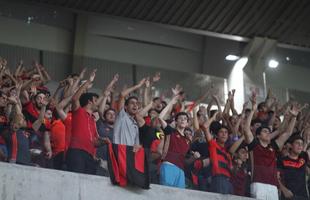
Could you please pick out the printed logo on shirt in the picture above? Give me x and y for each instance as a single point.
(299, 164)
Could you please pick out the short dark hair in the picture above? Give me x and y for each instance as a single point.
(243, 145)
(107, 110)
(260, 105)
(39, 92)
(248, 110)
(180, 114)
(259, 129)
(152, 109)
(295, 137)
(255, 121)
(156, 98)
(129, 98)
(220, 127)
(88, 96)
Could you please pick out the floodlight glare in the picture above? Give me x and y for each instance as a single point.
(232, 57)
(273, 63)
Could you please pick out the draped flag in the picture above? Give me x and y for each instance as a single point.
(127, 167)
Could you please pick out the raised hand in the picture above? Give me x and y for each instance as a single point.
(296, 109)
(156, 77)
(175, 98)
(210, 120)
(115, 78)
(13, 99)
(147, 82)
(92, 75)
(82, 74)
(142, 82)
(177, 90)
(253, 100)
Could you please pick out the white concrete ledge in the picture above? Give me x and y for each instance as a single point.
(29, 183)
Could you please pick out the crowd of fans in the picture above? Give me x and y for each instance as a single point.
(262, 152)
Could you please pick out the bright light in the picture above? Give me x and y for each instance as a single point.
(287, 58)
(232, 57)
(235, 81)
(273, 63)
(240, 64)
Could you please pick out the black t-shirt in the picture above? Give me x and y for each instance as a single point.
(147, 135)
(202, 148)
(294, 173)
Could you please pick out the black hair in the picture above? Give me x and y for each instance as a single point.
(164, 103)
(39, 92)
(255, 121)
(215, 126)
(219, 128)
(88, 96)
(243, 145)
(259, 129)
(295, 137)
(260, 105)
(129, 98)
(73, 74)
(199, 113)
(212, 112)
(152, 109)
(180, 114)
(156, 98)
(248, 110)
(107, 110)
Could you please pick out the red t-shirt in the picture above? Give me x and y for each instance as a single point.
(31, 114)
(264, 162)
(58, 131)
(68, 125)
(239, 180)
(178, 147)
(84, 131)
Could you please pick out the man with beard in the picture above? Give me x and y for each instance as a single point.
(84, 138)
(34, 112)
(126, 129)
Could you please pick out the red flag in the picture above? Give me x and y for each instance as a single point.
(127, 167)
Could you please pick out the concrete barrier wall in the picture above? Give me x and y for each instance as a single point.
(30, 183)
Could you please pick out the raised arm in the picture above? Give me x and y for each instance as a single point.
(248, 135)
(81, 90)
(232, 103)
(165, 112)
(143, 112)
(107, 92)
(236, 145)
(61, 105)
(37, 124)
(147, 92)
(206, 127)
(227, 105)
(295, 110)
(195, 119)
(127, 91)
